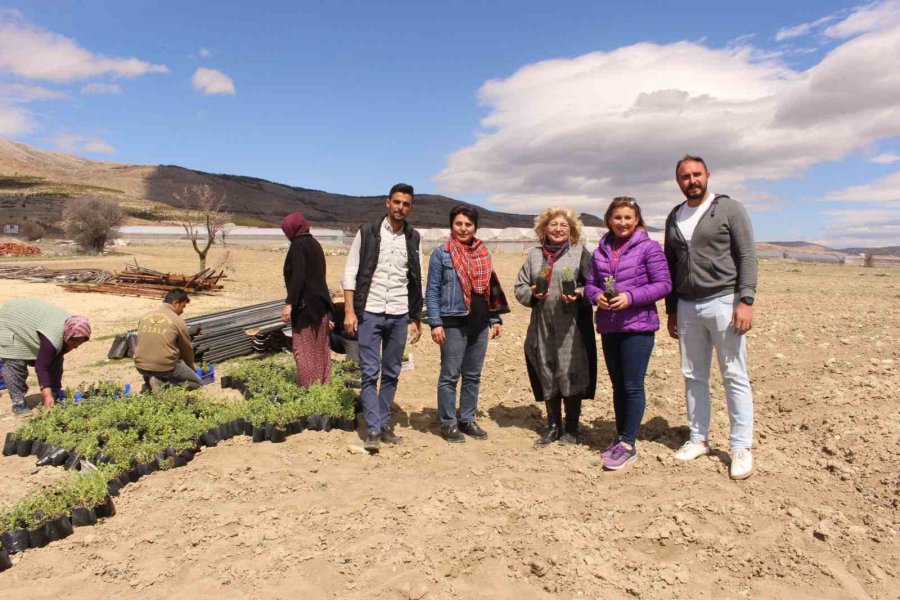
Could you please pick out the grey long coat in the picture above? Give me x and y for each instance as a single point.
(560, 347)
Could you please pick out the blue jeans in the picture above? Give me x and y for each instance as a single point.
(704, 325)
(382, 338)
(627, 356)
(462, 354)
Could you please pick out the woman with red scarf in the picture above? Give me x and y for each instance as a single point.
(461, 310)
(308, 306)
(560, 348)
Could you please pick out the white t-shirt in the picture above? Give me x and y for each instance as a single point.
(687, 217)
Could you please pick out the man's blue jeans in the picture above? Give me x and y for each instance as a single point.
(462, 354)
(382, 338)
(627, 356)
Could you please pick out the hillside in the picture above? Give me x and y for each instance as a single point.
(34, 184)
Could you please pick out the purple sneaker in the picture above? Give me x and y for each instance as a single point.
(609, 449)
(620, 458)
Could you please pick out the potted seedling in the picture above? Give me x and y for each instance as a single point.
(609, 288)
(568, 282)
(542, 284)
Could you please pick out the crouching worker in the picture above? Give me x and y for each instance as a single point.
(164, 353)
(37, 334)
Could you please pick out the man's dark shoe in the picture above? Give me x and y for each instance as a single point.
(373, 442)
(473, 430)
(568, 439)
(389, 437)
(550, 435)
(452, 434)
(21, 410)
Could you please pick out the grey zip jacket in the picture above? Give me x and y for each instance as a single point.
(719, 260)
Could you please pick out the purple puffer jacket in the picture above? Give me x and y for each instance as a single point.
(642, 273)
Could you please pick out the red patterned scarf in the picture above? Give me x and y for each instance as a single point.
(473, 266)
(553, 254)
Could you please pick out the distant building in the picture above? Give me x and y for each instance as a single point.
(12, 228)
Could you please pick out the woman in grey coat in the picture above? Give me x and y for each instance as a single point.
(560, 347)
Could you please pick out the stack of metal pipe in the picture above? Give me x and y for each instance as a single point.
(228, 334)
(223, 335)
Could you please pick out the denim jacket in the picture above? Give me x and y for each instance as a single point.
(443, 293)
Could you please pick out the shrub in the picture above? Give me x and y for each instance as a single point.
(90, 221)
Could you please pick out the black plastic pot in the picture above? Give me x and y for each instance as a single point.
(5, 563)
(327, 422)
(541, 285)
(248, 427)
(37, 537)
(209, 438)
(37, 447)
(113, 486)
(183, 457)
(348, 423)
(82, 517)
(225, 382)
(59, 456)
(224, 431)
(269, 428)
(9, 444)
(292, 428)
(58, 528)
(314, 422)
(23, 448)
(102, 458)
(145, 469)
(124, 479)
(568, 288)
(353, 384)
(107, 509)
(74, 461)
(15, 540)
(610, 295)
(259, 434)
(278, 435)
(133, 474)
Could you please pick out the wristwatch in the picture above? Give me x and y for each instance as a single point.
(748, 300)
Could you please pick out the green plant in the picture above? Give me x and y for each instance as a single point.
(568, 274)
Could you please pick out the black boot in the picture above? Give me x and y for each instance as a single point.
(554, 423)
(573, 414)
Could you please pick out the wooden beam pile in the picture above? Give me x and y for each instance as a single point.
(147, 283)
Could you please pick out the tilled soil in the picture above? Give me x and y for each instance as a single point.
(316, 517)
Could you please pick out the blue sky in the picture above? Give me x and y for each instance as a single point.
(515, 105)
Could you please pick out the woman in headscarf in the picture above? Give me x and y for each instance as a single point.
(38, 334)
(460, 313)
(307, 306)
(560, 347)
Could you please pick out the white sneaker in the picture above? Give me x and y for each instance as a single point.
(741, 463)
(691, 450)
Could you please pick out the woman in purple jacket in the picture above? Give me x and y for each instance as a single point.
(628, 275)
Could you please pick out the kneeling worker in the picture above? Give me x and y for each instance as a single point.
(164, 353)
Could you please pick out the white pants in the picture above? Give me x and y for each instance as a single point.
(702, 326)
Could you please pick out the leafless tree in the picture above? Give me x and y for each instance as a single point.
(204, 217)
(90, 221)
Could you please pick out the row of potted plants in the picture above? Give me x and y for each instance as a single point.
(115, 439)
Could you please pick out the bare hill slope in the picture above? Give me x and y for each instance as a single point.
(39, 181)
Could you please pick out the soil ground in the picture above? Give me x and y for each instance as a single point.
(316, 517)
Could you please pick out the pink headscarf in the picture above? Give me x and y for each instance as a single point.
(294, 224)
(76, 327)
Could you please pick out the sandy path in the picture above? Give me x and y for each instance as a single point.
(313, 518)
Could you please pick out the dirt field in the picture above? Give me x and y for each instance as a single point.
(317, 518)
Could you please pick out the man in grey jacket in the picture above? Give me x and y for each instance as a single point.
(712, 259)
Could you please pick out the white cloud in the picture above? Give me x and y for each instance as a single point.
(204, 53)
(212, 81)
(787, 33)
(15, 121)
(583, 130)
(30, 52)
(885, 159)
(862, 227)
(101, 89)
(77, 144)
(20, 93)
(866, 18)
(886, 190)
